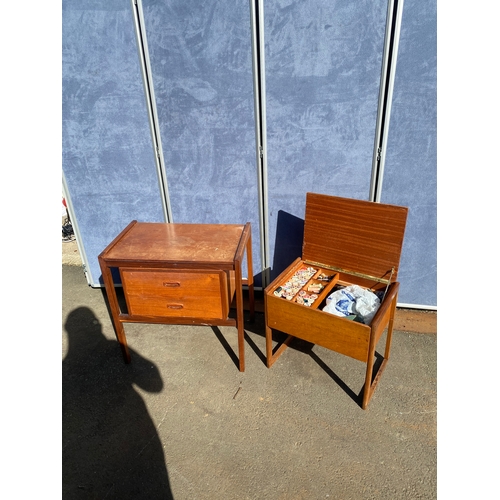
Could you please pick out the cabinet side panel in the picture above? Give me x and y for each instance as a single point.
(318, 327)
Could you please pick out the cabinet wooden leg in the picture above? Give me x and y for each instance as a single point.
(367, 391)
(251, 296)
(270, 357)
(390, 328)
(241, 346)
(240, 319)
(115, 309)
(120, 335)
(269, 346)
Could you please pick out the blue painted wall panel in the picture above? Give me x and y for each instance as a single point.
(323, 65)
(107, 154)
(323, 62)
(410, 176)
(201, 62)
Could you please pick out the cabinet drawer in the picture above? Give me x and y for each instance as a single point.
(176, 293)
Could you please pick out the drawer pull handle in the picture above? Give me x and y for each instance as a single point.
(171, 283)
(175, 306)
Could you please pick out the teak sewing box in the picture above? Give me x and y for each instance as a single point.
(347, 241)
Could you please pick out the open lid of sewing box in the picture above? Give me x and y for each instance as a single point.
(359, 239)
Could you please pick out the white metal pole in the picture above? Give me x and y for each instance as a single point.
(154, 125)
(388, 74)
(259, 84)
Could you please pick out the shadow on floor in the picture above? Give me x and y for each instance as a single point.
(257, 327)
(110, 445)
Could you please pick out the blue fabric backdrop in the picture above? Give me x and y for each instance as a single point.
(201, 60)
(410, 176)
(107, 154)
(323, 66)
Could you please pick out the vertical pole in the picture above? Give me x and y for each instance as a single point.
(259, 86)
(389, 60)
(147, 78)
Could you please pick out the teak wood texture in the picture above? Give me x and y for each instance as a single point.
(358, 242)
(179, 274)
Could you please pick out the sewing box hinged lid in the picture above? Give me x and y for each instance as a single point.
(354, 237)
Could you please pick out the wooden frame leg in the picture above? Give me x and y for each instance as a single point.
(370, 386)
(240, 320)
(249, 280)
(270, 357)
(120, 335)
(115, 311)
(389, 332)
(269, 347)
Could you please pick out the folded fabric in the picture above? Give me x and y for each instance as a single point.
(353, 300)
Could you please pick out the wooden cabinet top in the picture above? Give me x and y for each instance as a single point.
(177, 243)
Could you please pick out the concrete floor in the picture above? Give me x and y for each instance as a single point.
(182, 422)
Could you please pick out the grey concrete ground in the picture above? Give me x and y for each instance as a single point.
(182, 422)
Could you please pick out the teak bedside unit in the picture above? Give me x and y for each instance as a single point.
(354, 242)
(179, 274)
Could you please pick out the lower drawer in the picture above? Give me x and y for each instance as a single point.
(176, 293)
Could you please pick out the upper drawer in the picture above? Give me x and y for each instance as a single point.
(176, 292)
